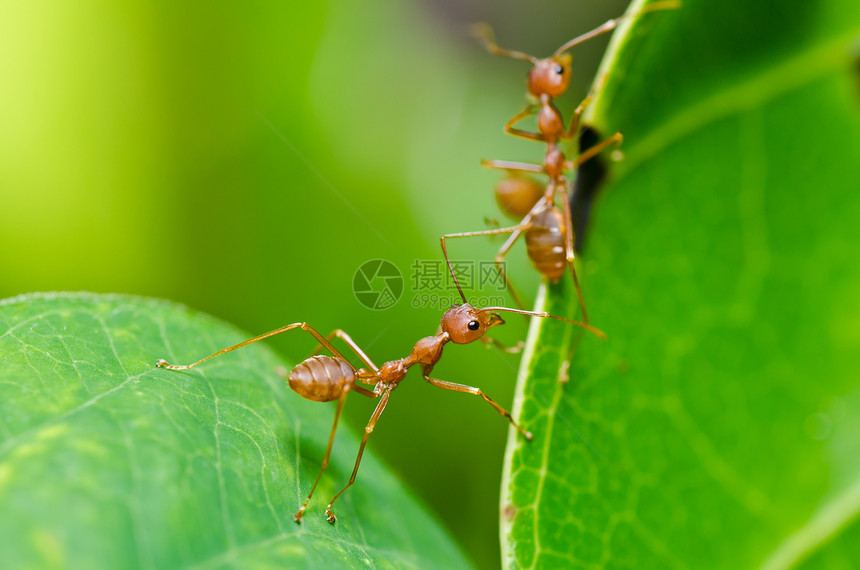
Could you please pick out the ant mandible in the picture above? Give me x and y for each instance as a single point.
(323, 378)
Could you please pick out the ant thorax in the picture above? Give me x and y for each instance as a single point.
(549, 120)
(393, 371)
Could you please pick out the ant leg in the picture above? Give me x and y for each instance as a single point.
(594, 151)
(568, 223)
(514, 231)
(577, 113)
(509, 126)
(513, 166)
(365, 392)
(342, 335)
(490, 342)
(500, 260)
(568, 238)
(610, 25)
(340, 402)
(525, 224)
(574, 120)
(477, 392)
(380, 407)
(304, 326)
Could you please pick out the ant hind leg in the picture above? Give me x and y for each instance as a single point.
(380, 407)
(340, 402)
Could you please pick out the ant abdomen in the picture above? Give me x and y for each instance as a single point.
(321, 378)
(516, 195)
(545, 243)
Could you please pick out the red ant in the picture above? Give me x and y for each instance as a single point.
(550, 77)
(323, 378)
(548, 229)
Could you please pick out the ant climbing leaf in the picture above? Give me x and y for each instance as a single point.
(717, 425)
(106, 460)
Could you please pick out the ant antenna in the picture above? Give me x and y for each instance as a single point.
(610, 25)
(484, 32)
(597, 332)
(451, 269)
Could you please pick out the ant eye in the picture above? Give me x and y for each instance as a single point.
(474, 325)
(559, 69)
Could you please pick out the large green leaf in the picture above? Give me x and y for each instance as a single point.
(718, 425)
(108, 462)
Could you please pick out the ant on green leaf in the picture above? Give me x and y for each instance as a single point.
(324, 378)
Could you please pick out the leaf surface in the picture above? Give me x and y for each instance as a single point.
(718, 425)
(108, 462)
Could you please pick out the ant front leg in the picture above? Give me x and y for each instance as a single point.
(380, 407)
(478, 392)
(515, 232)
(615, 139)
(491, 342)
(509, 126)
(577, 113)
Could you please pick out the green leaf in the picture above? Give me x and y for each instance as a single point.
(108, 462)
(719, 425)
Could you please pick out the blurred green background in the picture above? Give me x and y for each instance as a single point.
(247, 158)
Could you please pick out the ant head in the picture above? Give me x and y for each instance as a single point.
(464, 323)
(550, 76)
